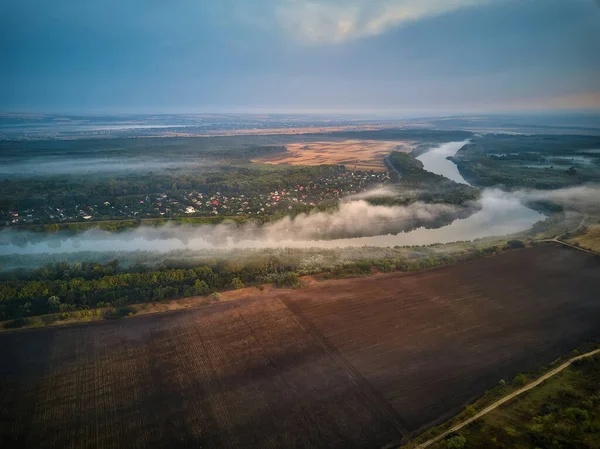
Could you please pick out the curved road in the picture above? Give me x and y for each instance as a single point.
(505, 399)
(557, 239)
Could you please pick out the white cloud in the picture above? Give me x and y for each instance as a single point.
(343, 20)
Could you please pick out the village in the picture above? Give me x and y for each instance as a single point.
(287, 199)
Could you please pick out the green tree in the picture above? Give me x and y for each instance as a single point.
(456, 442)
(201, 287)
(54, 303)
(519, 380)
(237, 283)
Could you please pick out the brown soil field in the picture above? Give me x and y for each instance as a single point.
(433, 341)
(355, 154)
(240, 374)
(347, 363)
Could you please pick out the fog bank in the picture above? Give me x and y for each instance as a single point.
(355, 224)
(89, 165)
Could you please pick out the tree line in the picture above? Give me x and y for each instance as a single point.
(64, 288)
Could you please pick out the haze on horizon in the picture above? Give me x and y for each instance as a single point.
(415, 56)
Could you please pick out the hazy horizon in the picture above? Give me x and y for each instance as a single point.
(405, 58)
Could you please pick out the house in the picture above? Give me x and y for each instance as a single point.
(190, 210)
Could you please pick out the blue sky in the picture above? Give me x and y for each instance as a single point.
(406, 56)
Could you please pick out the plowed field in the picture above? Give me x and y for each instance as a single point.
(350, 363)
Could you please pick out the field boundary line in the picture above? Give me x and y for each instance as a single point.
(351, 371)
(585, 250)
(505, 399)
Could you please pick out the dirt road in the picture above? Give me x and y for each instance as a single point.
(505, 399)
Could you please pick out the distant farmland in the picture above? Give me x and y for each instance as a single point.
(355, 154)
(351, 363)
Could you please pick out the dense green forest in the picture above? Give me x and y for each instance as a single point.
(539, 162)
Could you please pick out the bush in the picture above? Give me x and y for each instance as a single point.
(16, 323)
(385, 266)
(236, 283)
(515, 244)
(289, 279)
(519, 380)
(456, 442)
(119, 312)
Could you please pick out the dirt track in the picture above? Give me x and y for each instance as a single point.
(349, 363)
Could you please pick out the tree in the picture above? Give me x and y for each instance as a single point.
(519, 380)
(54, 303)
(456, 442)
(237, 283)
(201, 287)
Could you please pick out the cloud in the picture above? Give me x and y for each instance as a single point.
(338, 21)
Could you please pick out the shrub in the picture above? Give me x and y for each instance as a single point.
(456, 442)
(119, 312)
(289, 279)
(385, 266)
(515, 244)
(519, 380)
(16, 323)
(236, 283)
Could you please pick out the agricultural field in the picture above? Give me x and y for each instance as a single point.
(432, 341)
(355, 154)
(243, 374)
(345, 363)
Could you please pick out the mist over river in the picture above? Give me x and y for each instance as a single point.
(500, 213)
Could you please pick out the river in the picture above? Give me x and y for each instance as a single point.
(501, 213)
(435, 160)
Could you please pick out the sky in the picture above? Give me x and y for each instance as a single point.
(405, 56)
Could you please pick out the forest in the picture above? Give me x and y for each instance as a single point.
(64, 288)
(537, 162)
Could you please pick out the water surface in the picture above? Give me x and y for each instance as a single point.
(435, 160)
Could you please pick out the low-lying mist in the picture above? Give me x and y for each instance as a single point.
(89, 165)
(354, 224)
(353, 219)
